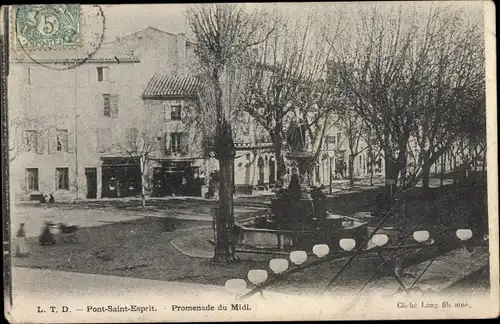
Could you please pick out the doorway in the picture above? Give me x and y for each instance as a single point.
(91, 175)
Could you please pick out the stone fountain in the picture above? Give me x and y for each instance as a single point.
(298, 217)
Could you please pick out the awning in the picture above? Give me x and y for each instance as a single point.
(118, 161)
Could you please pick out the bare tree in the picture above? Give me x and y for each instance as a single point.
(405, 68)
(373, 150)
(457, 88)
(140, 145)
(354, 129)
(288, 80)
(27, 133)
(223, 33)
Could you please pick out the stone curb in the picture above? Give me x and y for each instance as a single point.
(192, 254)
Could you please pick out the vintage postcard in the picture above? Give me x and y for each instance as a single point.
(249, 162)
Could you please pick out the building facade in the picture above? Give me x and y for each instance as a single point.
(66, 126)
(71, 129)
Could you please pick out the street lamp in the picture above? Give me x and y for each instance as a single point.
(236, 286)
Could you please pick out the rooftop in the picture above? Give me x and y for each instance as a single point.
(106, 53)
(170, 85)
(122, 50)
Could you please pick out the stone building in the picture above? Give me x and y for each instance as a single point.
(71, 126)
(66, 125)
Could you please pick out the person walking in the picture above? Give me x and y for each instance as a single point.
(21, 246)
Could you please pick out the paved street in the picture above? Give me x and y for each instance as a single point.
(100, 211)
(89, 214)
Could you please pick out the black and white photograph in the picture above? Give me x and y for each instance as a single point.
(249, 161)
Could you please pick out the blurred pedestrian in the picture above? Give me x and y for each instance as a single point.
(21, 246)
(46, 237)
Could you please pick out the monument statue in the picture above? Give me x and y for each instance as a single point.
(296, 137)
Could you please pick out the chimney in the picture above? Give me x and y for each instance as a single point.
(181, 54)
(117, 39)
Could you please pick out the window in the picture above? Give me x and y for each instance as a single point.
(330, 139)
(102, 74)
(62, 182)
(62, 140)
(176, 112)
(110, 105)
(32, 179)
(175, 142)
(30, 140)
(107, 105)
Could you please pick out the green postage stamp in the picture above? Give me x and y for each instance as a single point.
(47, 26)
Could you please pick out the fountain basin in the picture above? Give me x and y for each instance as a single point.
(260, 233)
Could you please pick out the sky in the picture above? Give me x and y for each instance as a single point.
(123, 20)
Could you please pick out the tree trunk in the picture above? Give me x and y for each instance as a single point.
(371, 175)
(351, 170)
(224, 218)
(441, 180)
(426, 171)
(391, 174)
(143, 181)
(475, 159)
(278, 153)
(484, 165)
(454, 167)
(370, 163)
(225, 151)
(277, 139)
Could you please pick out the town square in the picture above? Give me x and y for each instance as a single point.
(248, 150)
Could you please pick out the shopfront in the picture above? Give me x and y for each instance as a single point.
(121, 177)
(176, 178)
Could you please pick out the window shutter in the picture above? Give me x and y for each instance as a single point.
(114, 106)
(184, 112)
(161, 149)
(168, 143)
(167, 112)
(71, 141)
(52, 141)
(106, 105)
(25, 136)
(40, 142)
